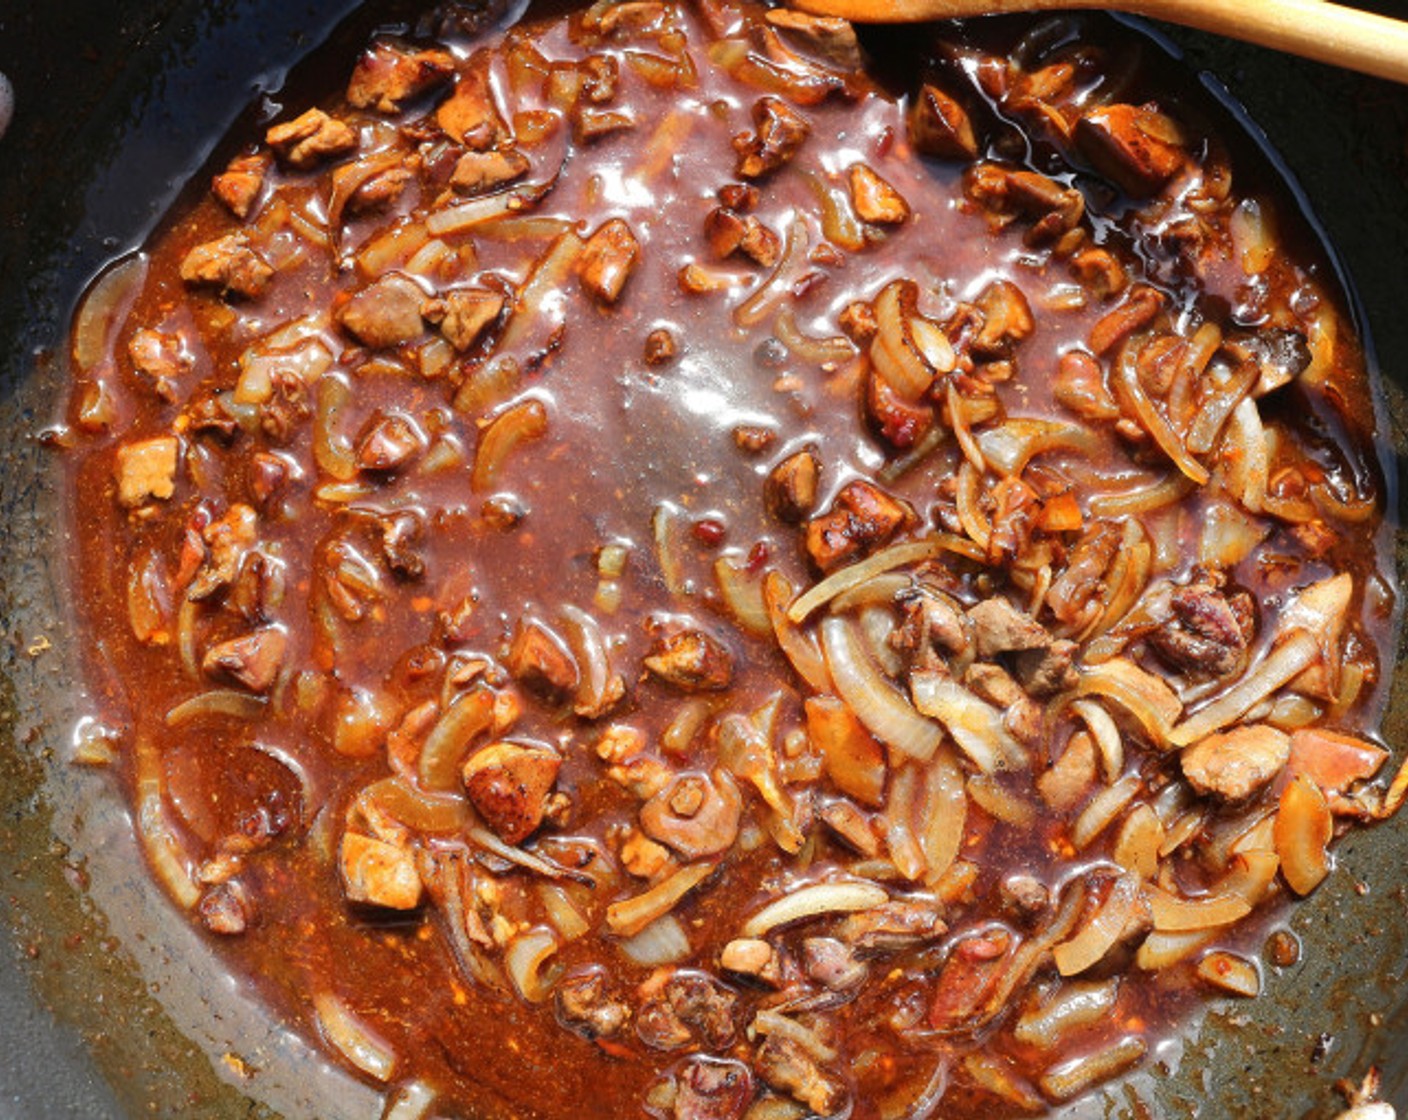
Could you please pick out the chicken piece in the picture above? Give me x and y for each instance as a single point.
(309, 139)
(712, 1089)
(481, 172)
(999, 627)
(862, 518)
(146, 469)
(464, 314)
(1136, 146)
(225, 909)
(508, 785)
(899, 924)
(829, 38)
(940, 126)
(791, 487)
(933, 624)
(379, 873)
(386, 76)
(1080, 386)
(384, 313)
(252, 660)
(1133, 313)
(585, 1006)
(852, 827)
(469, 115)
(784, 1065)
(161, 358)
(1208, 631)
(660, 347)
(1236, 764)
(874, 199)
(1072, 775)
(1024, 897)
(833, 964)
(695, 814)
(779, 132)
(228, 265)
(389, 442)
(1054, 210)
(689, 1006)
(239, 185)
(539, 659)
(377, 192)
(729, 233)
(1021, 715)
(1006, 320)
(607, 260)
(644, 858)
(1333, 761)
(692, 660)
(1099, 272)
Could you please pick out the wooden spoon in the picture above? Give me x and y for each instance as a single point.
(1316, 29)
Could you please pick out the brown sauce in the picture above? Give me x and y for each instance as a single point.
(303, 563)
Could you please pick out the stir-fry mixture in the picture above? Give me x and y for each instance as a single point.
(640, 565)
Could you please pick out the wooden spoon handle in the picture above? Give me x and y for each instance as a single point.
(1315, 29)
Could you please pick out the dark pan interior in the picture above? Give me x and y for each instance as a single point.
(108, 1006)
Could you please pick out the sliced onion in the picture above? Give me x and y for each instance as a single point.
(1176, 915)
(1150, 418)
(825, 352)
(541, 305)
(1001, 804)
(906, 853)
(595, 691)
(1213, 414)
(855, 575)
(839, 225)
(468, 215)
(1229, 535)
(1231, 973)
(1249, 464)
(742, 591)
(688, 720)
(878, 592)
(1106, 735)
(662, 942)
(770, 1022)
(1145, 696)
(667, 526)
(530, 861)
(1141, 499)
(332, 448)
(876, 703)
(229, 703)
(800, 649)
(777, 286)
(1073, 1007)
(1099, 935)
(814, 901)
(945, 812)
(970, 514)
(1286, 661)
(520, 423)
(103, 305)
(530, 965)
(976, 725)
(1011, 445)
(165, 852)
(1070, 1079)
(412, 1101)
(1303, 830)
(416, 809)
(1137, 846)
(445, 747)
(628, 917)
(1103, 808)
(348, 179)
(352, 1038)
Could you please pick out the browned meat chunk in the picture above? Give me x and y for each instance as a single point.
(470, 115)
(385, 313)
(1048, 671)
(376, 192)
(974, 965)
(162, 358)
(585, 1005)
(779, 132)
(311, 138)
(999, 627)
(940, 126)
(660, 347)
(481, 172)
(146, 469)
(1208, 631)
(400, 532)
(729, 233)
(900, 421)
(690, 1006)
(874, 199)
(464, 314)
(1071, 775)
(608, 259)
(692, 660)
(1073, 595)
(238, 186)
(857, 320)
(712, 1089)
(539, 659)
(229, 265)
(508, 785)
(1006, 320)
(1024, 897)
(784, 1065)
(225, 542)
(696, 814)
(1021, 715)
(832, 964)
(379, 873)
(899, 924)
(932, 622)
(386, 76)
(1054, 209)
(1136, 146)
(852, 827)
(1080, 386)
(829, 38)
(791, 487)
(1135, 312)
(225, 909)
(390, 441)
(1236, 764)
(862, 518)
(253, 660)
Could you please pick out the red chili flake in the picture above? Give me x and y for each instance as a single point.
(758, 556)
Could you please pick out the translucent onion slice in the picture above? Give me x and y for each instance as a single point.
(855, 575)
(530, 965)
(1176, 914)
(352, 1038)
(945, 813)
(412, 1101)
(1140, 838)
(976, 725)
(1141, 499)
(1134, 397)
(1302, 835)
(629, 916)
(800, 649)
(770, 1022)
(815, 901)
(164, 849)
(1010, 446)
(532, 861)
(1106, 735)
(662, 942)
(595, 693)
(228, 703)
(416, 809)
(541, 306)
(517, 424)
(445, 747)
(874, 700)
(1231, 973)
(332, 448)
(825, 352)
(1099, 935)
(468, 215)
(1249, 461)
(1145, 696)
(777, 286)
(1103, 808)
(1283, 664)
(906, 853)
(742, 591)
(1072, 1007)
(105, 302)
(1070, 1079)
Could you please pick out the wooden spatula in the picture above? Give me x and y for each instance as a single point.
(1326, 32)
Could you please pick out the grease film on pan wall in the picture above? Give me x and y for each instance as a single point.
(697, 560)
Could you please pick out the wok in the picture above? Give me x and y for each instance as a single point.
(109, 1006)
